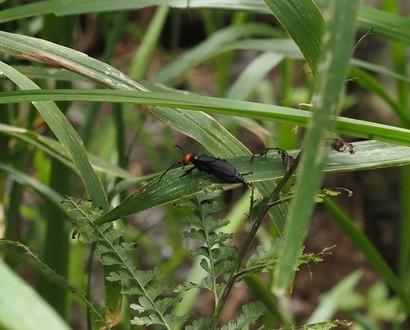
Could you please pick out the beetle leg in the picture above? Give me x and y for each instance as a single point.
(187, 172)
(265, 152)
(287, 159)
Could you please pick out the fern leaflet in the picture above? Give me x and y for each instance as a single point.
(152, 308)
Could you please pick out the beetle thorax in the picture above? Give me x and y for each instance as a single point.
(187, 158)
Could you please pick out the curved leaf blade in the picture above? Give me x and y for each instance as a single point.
(202, 126)
(21, 308)
(66, 134)
(332, 70)
(394, 27)
(172, 188)
(304, 23)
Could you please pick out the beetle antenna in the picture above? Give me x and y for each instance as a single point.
(168, 169)
(180, 149)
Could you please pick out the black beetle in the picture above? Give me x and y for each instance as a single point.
(218, 167)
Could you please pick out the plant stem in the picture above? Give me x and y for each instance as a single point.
(255, 226)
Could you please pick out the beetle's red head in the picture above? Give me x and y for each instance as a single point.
(187, 158)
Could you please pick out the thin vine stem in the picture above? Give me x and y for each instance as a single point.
(255, 226)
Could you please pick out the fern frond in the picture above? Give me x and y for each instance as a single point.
(321, 325)
(218, 256)
(152, 308)
(201, 324)
(250, 314)
(265, 259)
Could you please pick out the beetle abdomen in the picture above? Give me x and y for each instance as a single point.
(219, 168)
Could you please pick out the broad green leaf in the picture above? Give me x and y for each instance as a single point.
(187, 121)
(21, 308)
(172, 188)
(332, 70)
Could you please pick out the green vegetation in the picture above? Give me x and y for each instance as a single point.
(96, 93)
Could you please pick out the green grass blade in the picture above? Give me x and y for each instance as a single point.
(54, 149)
(379, 69)
(332, 299)
(117, 26)
(37, 72)
(172, 188)
(204, 131)
(22, 308)
(252, 75)
(43, 190)
(264, 295)
(394, 27)
(43, 51)
(285, 47)
(28, 10)
(211, 47)
(367, 248)
(198, 125)
(66, 134)
(388, 25)
(373, 85)
(21, 251)
(332, 70)
(304, 23)
(404, 231)
(70, 139)
(140, 63)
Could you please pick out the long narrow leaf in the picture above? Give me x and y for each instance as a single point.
(172, 188)
(54, 149)
(392, 26)
(45, 191)
(332, 70)
(22, 308)
(200, 126)
(68, 137)
(304, 23)
(368, 249)
(183, 120)
(211, 47)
